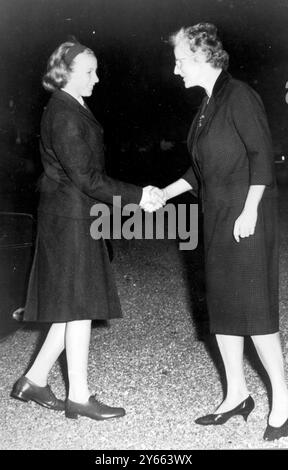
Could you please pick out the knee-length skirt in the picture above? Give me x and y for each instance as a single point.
(242, 278)
(71, 276)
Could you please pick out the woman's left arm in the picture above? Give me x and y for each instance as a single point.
(250, 120)
(245, 224)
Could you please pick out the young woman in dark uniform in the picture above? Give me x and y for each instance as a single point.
(71, 282)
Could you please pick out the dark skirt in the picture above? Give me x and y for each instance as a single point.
(71, 276)
(242, 278)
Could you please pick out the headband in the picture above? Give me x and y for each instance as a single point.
(74, 50)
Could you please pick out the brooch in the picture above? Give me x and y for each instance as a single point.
(202, 116)
(201, 119)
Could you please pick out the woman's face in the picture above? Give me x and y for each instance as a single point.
(84, 75)
(188, 64)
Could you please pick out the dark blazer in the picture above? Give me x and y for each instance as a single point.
(232, 148)
(72, 152)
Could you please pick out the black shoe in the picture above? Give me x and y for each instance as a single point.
(271, 433)
(92, 409)
(244, 409)
(26, 390)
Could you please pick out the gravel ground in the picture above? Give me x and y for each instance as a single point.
(156, 362)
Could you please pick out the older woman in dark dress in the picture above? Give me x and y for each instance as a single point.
(232, 170)
(71, 281)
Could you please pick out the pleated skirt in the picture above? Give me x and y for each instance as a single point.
(71, 276)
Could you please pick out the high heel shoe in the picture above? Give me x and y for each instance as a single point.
(93, 409)
(26, 390)
(243, 409)
(271, 433)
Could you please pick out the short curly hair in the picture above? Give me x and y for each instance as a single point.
(58, 71)
(203, 37)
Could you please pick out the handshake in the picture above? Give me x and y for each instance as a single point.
(152, 199)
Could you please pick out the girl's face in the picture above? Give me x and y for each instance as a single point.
(84, 75)
(188, 64)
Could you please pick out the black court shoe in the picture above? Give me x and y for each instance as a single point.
(93, 409)
(244, 409)
(26, 390)
(271, 433)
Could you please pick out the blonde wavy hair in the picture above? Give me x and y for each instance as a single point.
(58, 71)
(203, 37)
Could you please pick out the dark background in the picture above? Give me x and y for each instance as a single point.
(141, 104)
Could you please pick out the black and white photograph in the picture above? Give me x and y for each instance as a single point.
(144, 228)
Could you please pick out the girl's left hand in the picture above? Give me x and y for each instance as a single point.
(245, 224)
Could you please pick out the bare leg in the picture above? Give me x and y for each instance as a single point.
(269, 350)
(48, 354)
(77, 340)
(231, 349)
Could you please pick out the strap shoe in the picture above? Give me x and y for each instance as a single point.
(26, 390)
(93, 409)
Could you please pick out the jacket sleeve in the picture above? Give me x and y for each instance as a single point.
(250, 121)
(190, 177)
(79, 162)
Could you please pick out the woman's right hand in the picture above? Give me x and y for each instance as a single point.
(152, 199)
